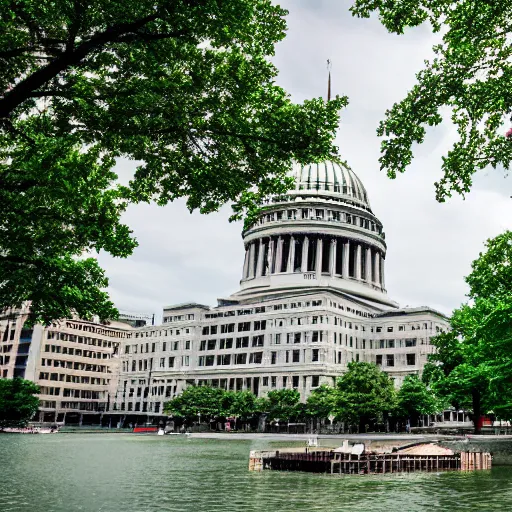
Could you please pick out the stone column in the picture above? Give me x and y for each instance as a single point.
(270, 256)
(319, 254)
(291, 255)
(305, 250)
(377, 268)
(279, 255)
(332, 257)
(368, 265)
(261, 252)
(346, 255)
(358, 265)
(246, 264)
(251, 260)
(382, 282)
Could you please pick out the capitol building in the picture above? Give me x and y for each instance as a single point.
(312, 299)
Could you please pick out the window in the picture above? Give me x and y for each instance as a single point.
(225, 328)
(244, 326)
(162, 362)
(209, 360)
(257, 341)
(410, 342)
(211, 344)
(390, 329)
(314, 355)
(187, 345)
(391, 343)
(255, 357)
(242, 342)
(206, 330)
(126, 350)
(273, 357)
(378, 360)
(202, 345)
(411, 359)
(153, 347)
(278, 339)
(260, 325)
(171, 362)
(185, 360)
(314, 336)
(296, 337)
(401, 327)
(390, 360)
(378, 329)
(382, 343)
(164, 346)
(265, 381)
(176, 345)
(224, 359)
(295, 381)
(273, 382)
(240, 358)
(213, 329)
(315, 381)
(296, 356)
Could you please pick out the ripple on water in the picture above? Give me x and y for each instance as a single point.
(117, 473)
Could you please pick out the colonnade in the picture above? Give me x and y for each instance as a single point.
(315, 254)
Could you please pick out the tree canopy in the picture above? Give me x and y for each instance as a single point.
(184, 88)
(414, 399)
(472, 366)
(365, 395)
(18, 402)
(469, 76)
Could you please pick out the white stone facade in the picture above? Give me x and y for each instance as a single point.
(312, 299)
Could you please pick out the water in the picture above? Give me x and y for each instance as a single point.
(126, 473)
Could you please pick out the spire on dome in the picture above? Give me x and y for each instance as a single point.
(329, 66)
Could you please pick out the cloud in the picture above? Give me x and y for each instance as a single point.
(184, 257)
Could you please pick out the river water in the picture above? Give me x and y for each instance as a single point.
(128, 473)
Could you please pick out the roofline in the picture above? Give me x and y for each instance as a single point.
(186, 305)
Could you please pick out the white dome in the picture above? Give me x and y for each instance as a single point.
(333, 178)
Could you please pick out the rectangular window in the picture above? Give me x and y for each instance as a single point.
(265, 381)
(162, 362)
(314, 336)
(295, 381)
(315, 355)
(296, 356)
(187, 345)
(378, 360)
(390, 360)
(202, 345)
(213, 329)
(256, 358)
(391, 343)
(210, 360)
(411, 342)
(244, 326)
(240, 358)
(171, 362)
(273, 357)
(315, 381)
(185, 360)
(206, 330)
(278, 339)
(390, 329)
(242, 342)
(296, 337)
(257, 341)
(164, 346)
(211, 345)
(176, 345)
(273, 382)
(411, 359)
(224, 359)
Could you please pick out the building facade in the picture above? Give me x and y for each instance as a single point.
(312, 299)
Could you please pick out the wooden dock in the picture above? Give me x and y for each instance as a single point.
(424, 458)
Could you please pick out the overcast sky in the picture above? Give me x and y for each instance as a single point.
(183, 257)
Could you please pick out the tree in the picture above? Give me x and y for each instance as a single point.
(241, 405)
(281, 404)
(472, 363)
(205, 401)
(470, 75)
(321, 402)
(365, 395)
(415, 399)
(18, 402)
(185, 88)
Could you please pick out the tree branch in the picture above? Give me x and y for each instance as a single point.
(22, 91)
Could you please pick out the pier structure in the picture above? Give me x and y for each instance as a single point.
(355, 460)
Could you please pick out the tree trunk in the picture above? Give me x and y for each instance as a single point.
(477, 411)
